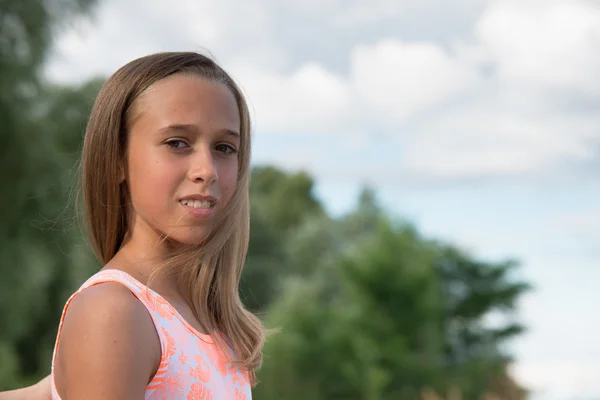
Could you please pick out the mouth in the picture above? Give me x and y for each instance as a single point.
(198, 204)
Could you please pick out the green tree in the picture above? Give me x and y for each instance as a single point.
(364, 326)
(265, 264)
(42, 137)
(56, 257)
(364, 220)
(280, 205)
(473, 290)
(373, 316)
(285, 199)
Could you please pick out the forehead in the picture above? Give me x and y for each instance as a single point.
(185, 99)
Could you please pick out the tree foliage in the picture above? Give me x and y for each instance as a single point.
(386, 313)
(33, 254)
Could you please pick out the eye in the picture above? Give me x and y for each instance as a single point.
(177, 144)
(226, 148)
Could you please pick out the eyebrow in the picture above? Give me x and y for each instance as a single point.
(194, 129)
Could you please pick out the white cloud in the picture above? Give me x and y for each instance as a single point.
(478, 141)
(524, 118)
(553, 43)
(311, 100)
(120, 31)
(366, 12)
(405, 78)
(389, 81)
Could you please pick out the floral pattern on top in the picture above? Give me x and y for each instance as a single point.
(192, 365)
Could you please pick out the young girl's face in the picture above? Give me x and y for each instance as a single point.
(182, 157)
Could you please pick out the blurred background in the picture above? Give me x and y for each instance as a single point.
(425, 216)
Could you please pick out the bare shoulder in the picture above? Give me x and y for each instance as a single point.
(108, 345)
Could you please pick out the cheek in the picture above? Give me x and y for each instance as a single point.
(151, 181)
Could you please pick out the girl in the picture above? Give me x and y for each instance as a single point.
(165, 175)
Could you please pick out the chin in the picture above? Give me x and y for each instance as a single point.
(188, 236)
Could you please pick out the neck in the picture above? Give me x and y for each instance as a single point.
(142, 250)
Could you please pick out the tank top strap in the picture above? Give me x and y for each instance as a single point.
(161, 311)
(157, 307)
(139, 290)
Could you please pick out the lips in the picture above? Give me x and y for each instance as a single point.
(197, 203)
(199, 206)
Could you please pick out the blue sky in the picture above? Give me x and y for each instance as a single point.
(478, 120)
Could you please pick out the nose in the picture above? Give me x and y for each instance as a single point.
(203, 168)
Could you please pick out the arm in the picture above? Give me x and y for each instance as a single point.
(109, 348)
(39, 391)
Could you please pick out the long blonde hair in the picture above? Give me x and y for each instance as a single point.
(209, 272)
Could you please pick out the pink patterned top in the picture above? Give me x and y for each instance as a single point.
(192, 365)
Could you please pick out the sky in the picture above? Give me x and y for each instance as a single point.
(477, 120)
